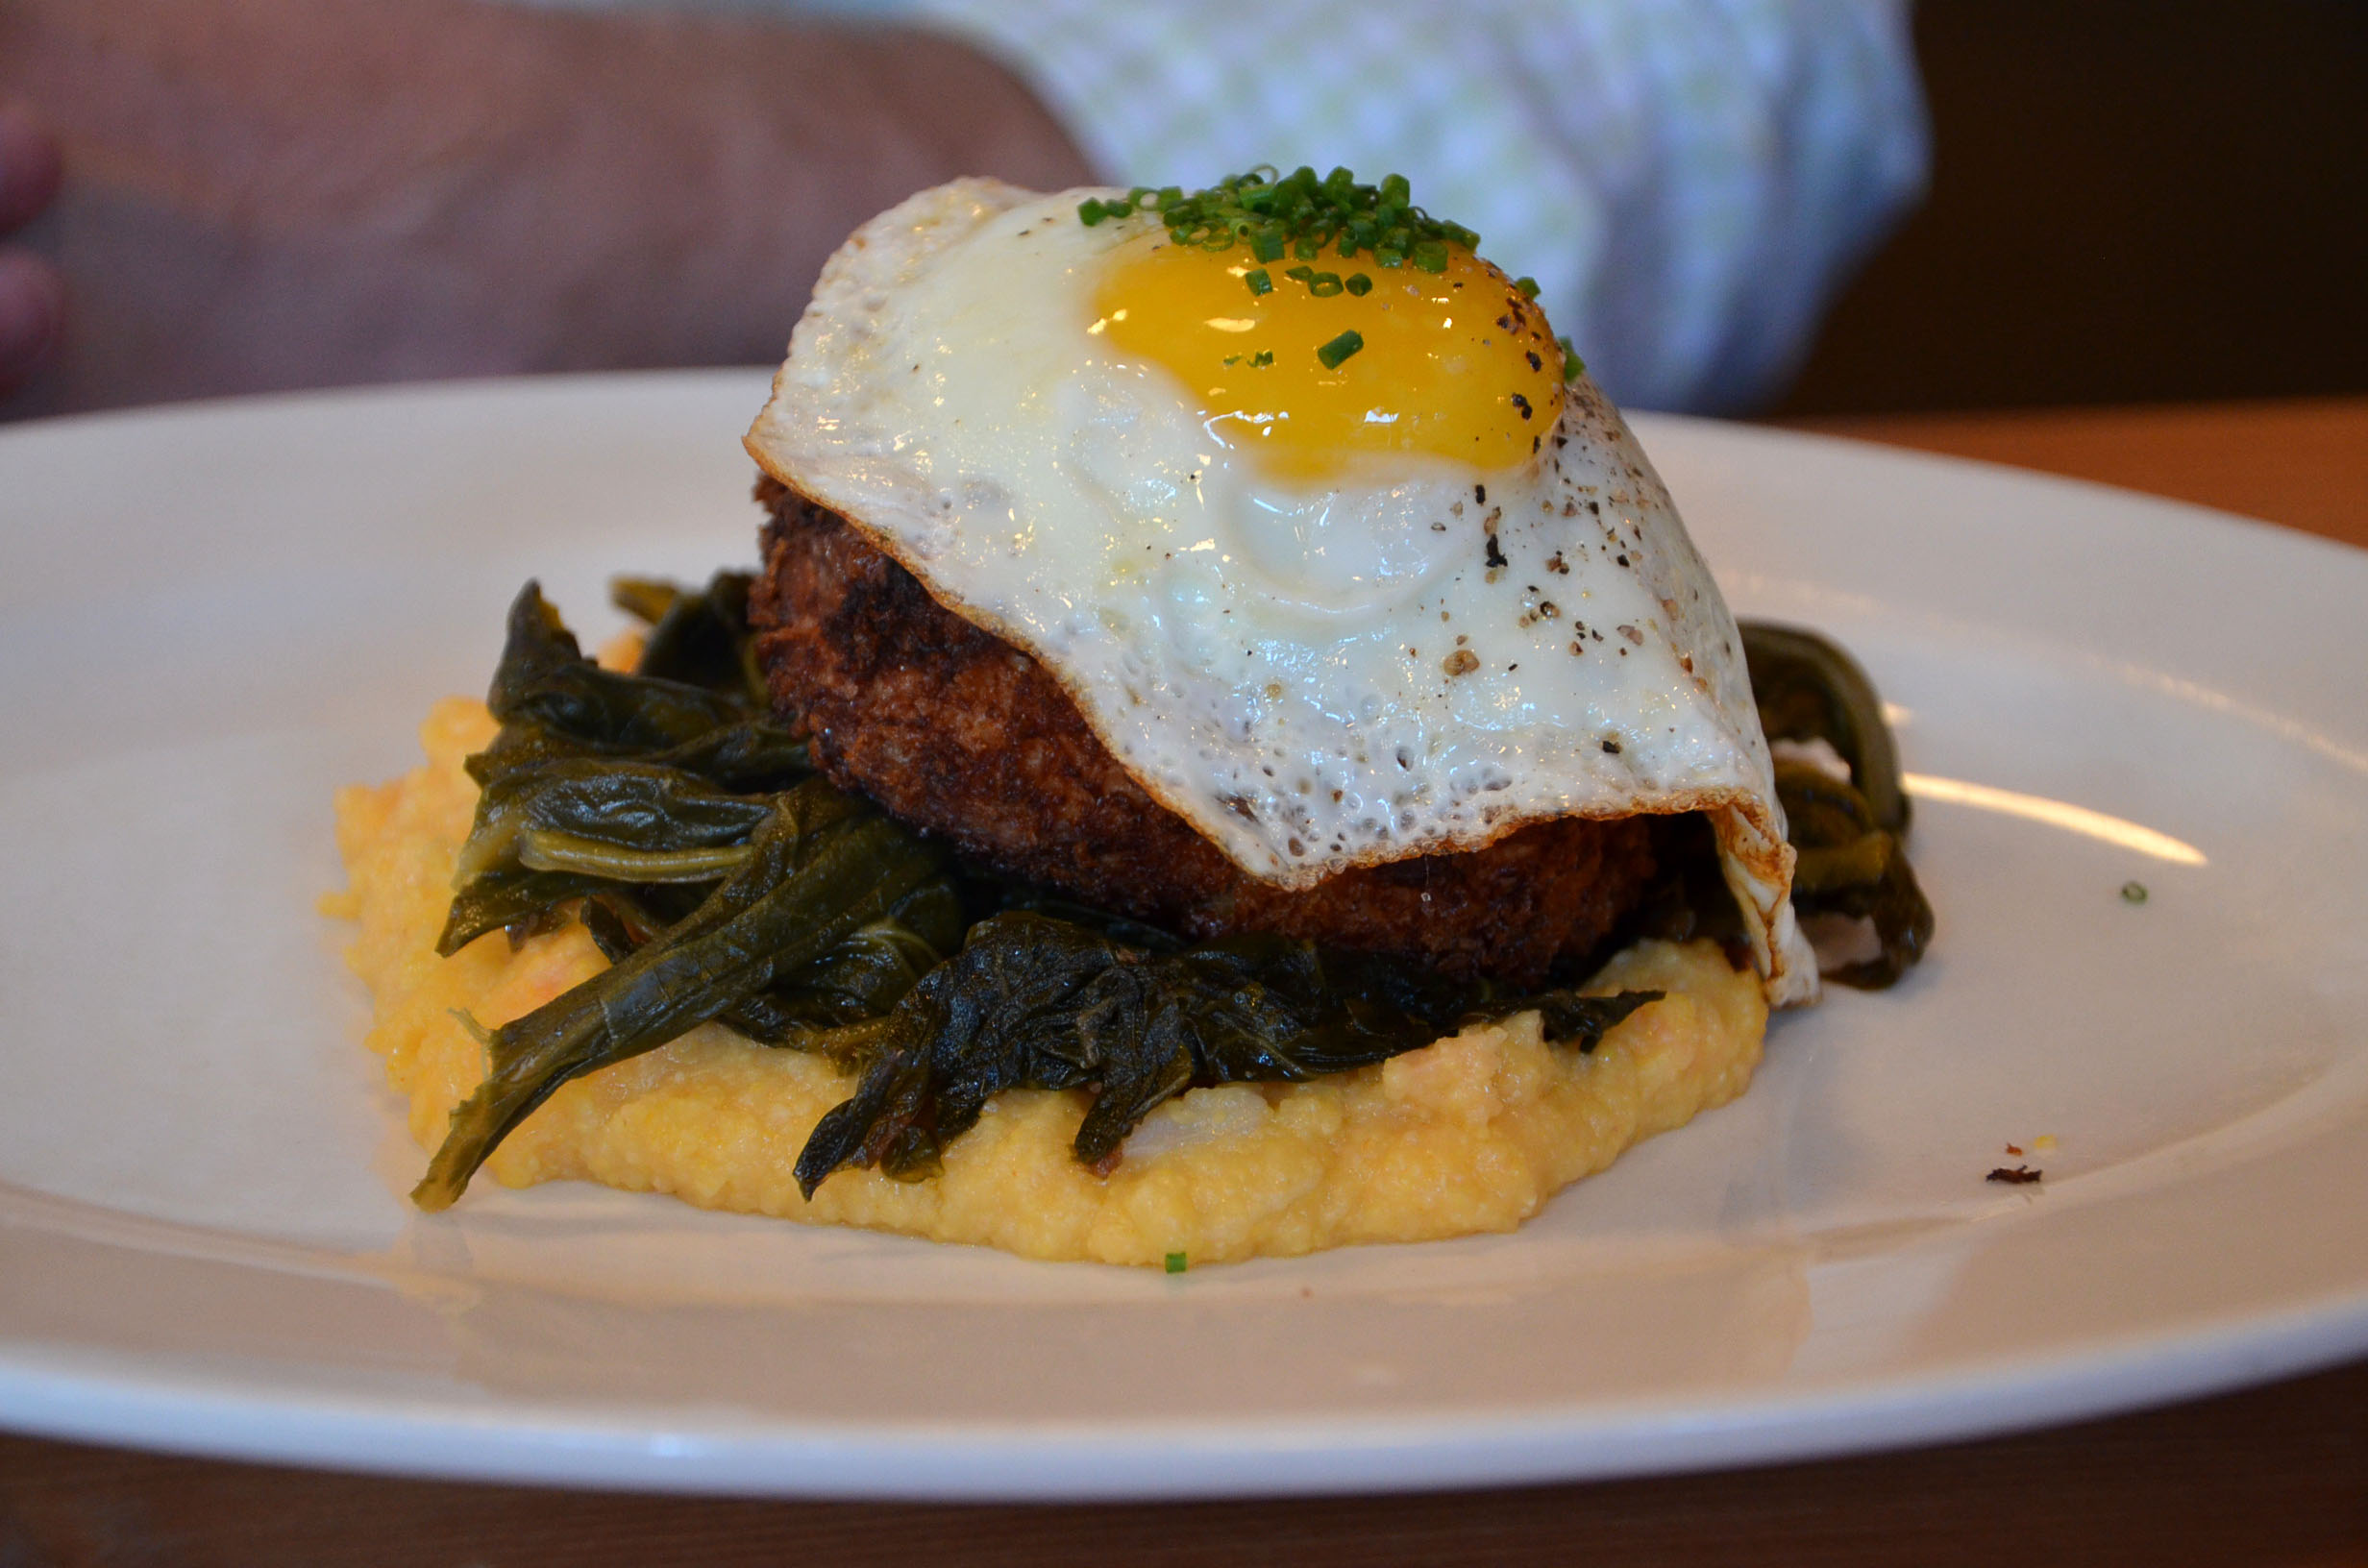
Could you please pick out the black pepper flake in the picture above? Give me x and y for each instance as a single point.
(1496, 558)
(1535, 363)
(1523, 403)
(1623, 559)
(1611, 747)
(1480, 493)
(2019, 1176)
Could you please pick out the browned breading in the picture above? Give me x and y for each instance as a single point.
(957, 732)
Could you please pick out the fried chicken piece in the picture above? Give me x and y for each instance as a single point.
(960, 734)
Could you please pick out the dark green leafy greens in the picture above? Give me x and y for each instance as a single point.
(820, 869)
(682, 823)
(1043, 1003)
(671, 814)
(1849, 837)
(1808, 689)
(702, 639)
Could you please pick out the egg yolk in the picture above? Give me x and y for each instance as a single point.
(1344, 360)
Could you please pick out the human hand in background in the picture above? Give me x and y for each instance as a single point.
(31, 299)
(265, 194)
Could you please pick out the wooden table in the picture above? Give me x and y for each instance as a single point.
(2274, 1475)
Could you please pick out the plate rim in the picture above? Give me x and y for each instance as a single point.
(47, 1395)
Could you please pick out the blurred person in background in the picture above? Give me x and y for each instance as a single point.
(249, 195)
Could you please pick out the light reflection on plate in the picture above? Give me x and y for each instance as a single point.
(2122, 834)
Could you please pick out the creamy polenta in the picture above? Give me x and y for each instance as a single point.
(1471, 1134)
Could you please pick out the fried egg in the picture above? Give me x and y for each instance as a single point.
(1342, 569)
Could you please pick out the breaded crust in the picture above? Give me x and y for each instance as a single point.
(956, 733)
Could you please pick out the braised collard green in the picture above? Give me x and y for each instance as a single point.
(1041, 1003)
(681, 822)
(1848, 835)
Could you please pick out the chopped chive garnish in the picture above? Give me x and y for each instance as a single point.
(1359, 285)
(1258, 280)
(1324, 285)
(1528, 288)
(1093, 211)
(1177, 1263)
(1302, 274)
(2133, 893)
(1340, 348)
(1299, 216)
(1262, 359)
(1573, 367)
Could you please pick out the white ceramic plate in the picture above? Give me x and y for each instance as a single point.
(209, 617)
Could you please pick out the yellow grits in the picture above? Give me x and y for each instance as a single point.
(1471, 1134)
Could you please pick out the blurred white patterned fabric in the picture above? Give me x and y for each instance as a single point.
(1688, 181)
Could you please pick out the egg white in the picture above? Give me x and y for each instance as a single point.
(1413, 659)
